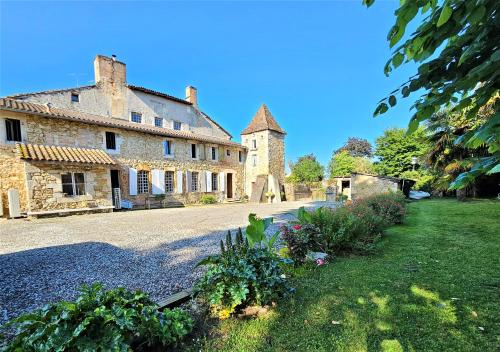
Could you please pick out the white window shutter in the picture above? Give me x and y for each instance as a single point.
(179, 181)
(222, 181)
(188, 181)
(209, 181)
(158, 178)
(132, 181)
(203, 182)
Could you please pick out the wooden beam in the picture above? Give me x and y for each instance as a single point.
(176, 299)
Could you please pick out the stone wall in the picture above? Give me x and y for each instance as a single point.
(45, 188)
(277, 155)
(366, 185)
(12, 175)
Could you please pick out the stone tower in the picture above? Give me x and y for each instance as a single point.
(265, 163)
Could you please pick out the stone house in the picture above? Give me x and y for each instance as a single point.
(359, 185)
(112, 143)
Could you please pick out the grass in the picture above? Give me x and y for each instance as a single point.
(434, 285)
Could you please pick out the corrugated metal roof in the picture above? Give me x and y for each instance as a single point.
(39, 152)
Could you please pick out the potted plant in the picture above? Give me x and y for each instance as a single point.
(270, 196)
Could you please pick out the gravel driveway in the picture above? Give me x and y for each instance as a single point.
(46, 260)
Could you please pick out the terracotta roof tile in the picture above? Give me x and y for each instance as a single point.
(73, 115)
(262, 121)
(67, 154)
(74, 89)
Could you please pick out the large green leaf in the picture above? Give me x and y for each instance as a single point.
(445, 15)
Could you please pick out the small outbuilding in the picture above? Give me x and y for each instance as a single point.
(359, 185)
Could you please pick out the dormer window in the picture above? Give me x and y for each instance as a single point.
(75, 98)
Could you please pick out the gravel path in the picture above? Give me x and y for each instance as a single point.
(46, 260)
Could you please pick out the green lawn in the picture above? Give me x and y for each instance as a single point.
(434, 285)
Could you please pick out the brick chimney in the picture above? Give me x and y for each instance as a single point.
(192, 95)
(111, 78)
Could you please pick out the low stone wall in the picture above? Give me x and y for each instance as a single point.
(366, 185)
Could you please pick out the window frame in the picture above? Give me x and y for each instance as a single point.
(167, 145)
(73, 96)
(174, 124)
(156, 119)
(215, 182)
(194, 151)
(134, 113)
(169, 182)
(194, 185)
(254, 143)
(240, 156)
(228, 152)
(254, 160)
(214, 154)
(113, 144)
(143, 175)
(13, 134)
(75, 191)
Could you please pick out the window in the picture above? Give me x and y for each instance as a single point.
(169, 181)
(167, 146)
(110, 140)
(215, 183)
(240, 156)
(177, 125)
(228, 152)
(142, 182)
(194, 181)
(13, 128)
(254, 160)
(158, 122)
(136, 117)
(193, 151)
(75, 98)
(254, 144)
(214, 153)
(73, 183)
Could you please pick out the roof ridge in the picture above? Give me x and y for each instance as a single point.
(13, 96)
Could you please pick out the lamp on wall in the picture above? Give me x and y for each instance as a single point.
(414, 162)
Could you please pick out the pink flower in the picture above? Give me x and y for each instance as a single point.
(297, 227)
(320, 261)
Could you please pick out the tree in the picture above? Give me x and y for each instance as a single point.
(395, 150)
(343, 164)
(306, 169)
(456, 48)
(357, 147)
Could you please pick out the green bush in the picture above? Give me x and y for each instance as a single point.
(300, 239)
(240, 276)
(208, 199)
(114, 320)
(390, 206)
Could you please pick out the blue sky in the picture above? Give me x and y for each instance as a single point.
(317, 65)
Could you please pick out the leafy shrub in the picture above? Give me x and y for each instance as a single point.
(207, 199)
(114, 320)
(300, 239)
(390, 206)
(240, 276)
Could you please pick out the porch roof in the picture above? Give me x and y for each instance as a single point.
(38, 152)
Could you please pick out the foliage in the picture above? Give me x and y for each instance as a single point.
(256, 232)
(300, 239)
(208, 199)
(114, 320)
(403, 296)
(357, 147)
(306, 169)
(344, 164)
(425, 181)
(395, 150)
(456, 47)
(241, 275)
(391, 206)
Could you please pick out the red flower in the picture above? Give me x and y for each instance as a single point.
(297, 227)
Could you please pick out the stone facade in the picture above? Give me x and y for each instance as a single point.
(142, 122)
(359, 186)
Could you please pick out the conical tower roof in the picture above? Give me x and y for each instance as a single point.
(262, 121)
